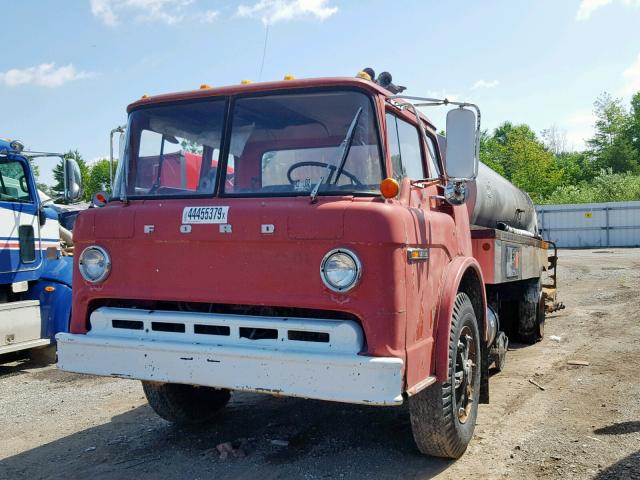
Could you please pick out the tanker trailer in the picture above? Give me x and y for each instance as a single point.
(494, 202)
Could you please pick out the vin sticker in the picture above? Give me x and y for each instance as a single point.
(205, 215)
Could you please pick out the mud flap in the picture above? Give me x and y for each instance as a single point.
(484, 373)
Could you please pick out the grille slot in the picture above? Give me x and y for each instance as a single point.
(212, 330)
(127, 324)
(258, 333)
(301, 336)
(167, 327)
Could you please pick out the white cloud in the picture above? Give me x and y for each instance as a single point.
(165, 11)
(632, 78)
(485, 84)
(209, 16)
(587, 7)
(272, 11)
(102, 9)
(43, 75)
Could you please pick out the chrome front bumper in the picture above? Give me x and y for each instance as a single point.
(300, 357)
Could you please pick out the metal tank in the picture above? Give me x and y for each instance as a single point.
(495, 202)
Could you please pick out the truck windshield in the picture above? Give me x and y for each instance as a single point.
(280, 144)
(13, 182)
(289, 144)
(172, 150)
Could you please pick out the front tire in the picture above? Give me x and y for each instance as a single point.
(185, 404)
(443, 416)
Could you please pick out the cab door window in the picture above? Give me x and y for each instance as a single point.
(434, 169)
(405, 149)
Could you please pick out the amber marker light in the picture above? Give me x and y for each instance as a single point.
(245, 82)
(49, 289)
(204, 86)
(288, 76)
(389, 188)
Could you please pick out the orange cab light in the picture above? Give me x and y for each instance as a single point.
(204, 86)
(364, 75)
(389, 188)
(49, 289)
(145, 96)
(288, 76)
(245, 82)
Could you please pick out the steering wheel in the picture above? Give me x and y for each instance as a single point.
(332, 168)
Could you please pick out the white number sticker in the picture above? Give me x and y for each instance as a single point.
(205, 215)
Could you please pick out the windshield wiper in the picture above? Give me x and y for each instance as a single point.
(345, 146)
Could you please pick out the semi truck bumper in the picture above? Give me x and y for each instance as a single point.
(310, 358)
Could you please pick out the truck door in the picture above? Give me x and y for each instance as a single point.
(430, 225)
(19, 226)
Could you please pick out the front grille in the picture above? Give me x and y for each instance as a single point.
(215, 329)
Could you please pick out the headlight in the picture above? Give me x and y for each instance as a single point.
(340, 270)
(94, 264)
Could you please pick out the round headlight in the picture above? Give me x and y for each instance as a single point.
(94, 264)
(340, 270)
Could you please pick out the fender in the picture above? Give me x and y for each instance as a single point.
(452, 279)
(55, 301)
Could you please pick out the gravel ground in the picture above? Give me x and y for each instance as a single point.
(584, 424)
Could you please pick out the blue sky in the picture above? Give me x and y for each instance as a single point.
(69, 69)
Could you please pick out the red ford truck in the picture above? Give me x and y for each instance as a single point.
(330, 245)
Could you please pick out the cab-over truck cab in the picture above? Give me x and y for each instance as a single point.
(299, 238)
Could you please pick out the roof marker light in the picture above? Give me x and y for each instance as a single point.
(204, 86)
(288, 76)
(245, 82)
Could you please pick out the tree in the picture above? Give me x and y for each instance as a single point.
(58, 172)
(555, 139)
(515, 152)
(99, 178)
(612, 143)
(633, 129)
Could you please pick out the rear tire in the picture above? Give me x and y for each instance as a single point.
(185, 404)
(531, 313)
(443, 416)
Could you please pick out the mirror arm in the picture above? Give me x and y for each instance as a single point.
(119, 129)
(434, 102)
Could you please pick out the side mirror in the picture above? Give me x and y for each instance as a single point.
(462, 145)
(72, 180)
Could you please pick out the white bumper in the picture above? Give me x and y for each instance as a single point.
(325, 370)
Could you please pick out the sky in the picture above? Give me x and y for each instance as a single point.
(69, 69)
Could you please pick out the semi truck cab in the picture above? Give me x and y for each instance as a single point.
(323, 251)
(35, 279)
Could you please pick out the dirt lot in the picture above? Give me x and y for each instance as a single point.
(584, 424)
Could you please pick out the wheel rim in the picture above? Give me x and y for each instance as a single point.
(466, 364)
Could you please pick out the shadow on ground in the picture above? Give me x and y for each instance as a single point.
(17, 363)
(619, 428)
(626, 469)
(325, 440)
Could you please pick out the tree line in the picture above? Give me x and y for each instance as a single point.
(607, 170)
